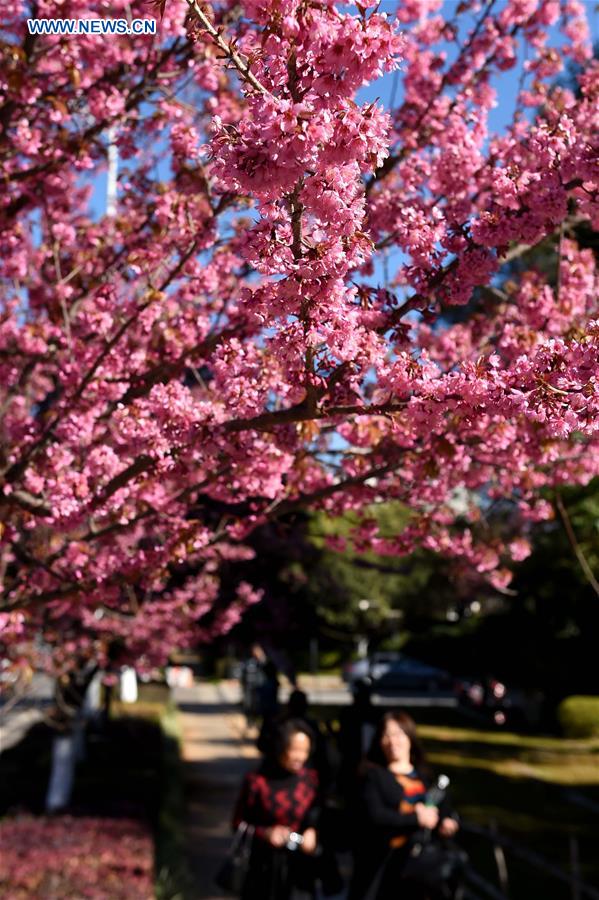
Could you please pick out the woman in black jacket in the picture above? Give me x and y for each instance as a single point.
(393, 812)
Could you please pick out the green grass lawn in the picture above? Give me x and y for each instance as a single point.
(528, 785)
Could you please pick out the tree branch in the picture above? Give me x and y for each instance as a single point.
(584, 565)
(237, 60)
(303, 412)
(26, 501)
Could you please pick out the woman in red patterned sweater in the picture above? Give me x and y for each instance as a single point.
(280, 800)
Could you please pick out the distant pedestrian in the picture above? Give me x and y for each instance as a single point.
(356, 729)
(281, 801)
(395, 815)
(260, 687)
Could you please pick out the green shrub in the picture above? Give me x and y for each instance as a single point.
(579, 717)
(329, 660)
(174, 880)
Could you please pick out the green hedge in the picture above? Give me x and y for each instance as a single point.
(174, 880)
(579, 717)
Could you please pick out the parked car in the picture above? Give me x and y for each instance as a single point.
(407, 674)
(369, 667)
(388, 672)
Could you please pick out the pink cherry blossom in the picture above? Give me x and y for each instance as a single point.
(259, 320)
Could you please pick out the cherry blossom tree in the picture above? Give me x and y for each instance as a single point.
(257, 322)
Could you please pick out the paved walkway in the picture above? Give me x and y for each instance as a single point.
(217, 755)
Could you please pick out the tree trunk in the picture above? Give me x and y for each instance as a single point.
(68, 743)
(60, 787)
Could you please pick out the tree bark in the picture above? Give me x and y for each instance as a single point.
(68, 744)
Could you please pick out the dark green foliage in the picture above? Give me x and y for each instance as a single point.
(579, 717)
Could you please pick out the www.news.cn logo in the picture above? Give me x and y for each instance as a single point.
(91, 26)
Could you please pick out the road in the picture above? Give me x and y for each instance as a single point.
(16, 718)
(330, 690)
(323, 690)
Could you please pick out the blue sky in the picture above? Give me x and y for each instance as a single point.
(384, 88)
(506, 81)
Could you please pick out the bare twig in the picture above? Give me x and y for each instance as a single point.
(584, 565)
(241, 64)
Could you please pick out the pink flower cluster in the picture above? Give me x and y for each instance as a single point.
(258, 322)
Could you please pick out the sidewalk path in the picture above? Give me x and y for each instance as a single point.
(17, 718)
(216, 756)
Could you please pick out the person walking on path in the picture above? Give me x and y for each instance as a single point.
(260, 687)
(357, 727)
(281, 801)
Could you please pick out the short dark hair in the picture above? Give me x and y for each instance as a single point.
(297, 704)
(282, 734)
(408, 725)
